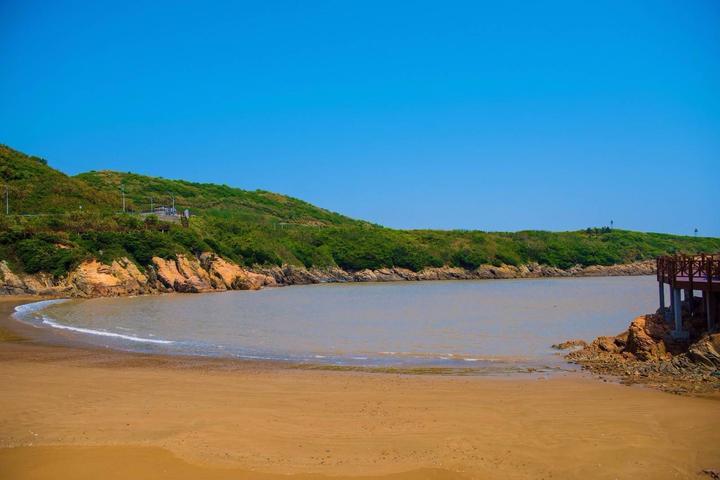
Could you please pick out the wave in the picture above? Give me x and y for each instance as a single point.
(48, 321)
(28, 308)
(30, 311)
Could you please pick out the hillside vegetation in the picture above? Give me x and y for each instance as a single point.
(210, 199)
(263, 228)
(34, 187)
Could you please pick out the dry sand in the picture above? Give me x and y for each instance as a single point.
(73, 413)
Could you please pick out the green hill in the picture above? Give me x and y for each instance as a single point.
(210, 199)
(47, 231)
(34, 187)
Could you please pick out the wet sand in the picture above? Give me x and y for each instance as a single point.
(68, 412)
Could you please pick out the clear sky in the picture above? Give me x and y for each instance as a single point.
(482, 115)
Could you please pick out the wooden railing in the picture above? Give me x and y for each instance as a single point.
(694, 269)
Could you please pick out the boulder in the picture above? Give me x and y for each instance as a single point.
(577, 343)
(706, 351)
(641, 344)
(94, 279)
(182, 275)
(365, 275)
(10, 283)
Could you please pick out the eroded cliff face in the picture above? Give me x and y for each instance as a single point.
(122, 277)
(18, 284)
(292, 275)
(209, 272)
(94, 279)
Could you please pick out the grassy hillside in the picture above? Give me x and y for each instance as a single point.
(34, 187)
(210, 199)
(264, 228)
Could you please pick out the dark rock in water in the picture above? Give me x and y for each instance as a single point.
(570, 344)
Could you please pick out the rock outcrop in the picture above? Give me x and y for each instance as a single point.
(209, 272)
(706, 351)
(94, 279)
(292, 275)
(647, 353)
(182, 275)
(122, 277)
(225, 275)
(18, 284)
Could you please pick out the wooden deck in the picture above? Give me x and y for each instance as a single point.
(686, 274)
(690, 272)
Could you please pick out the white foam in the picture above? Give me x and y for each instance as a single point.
(35, 306)
(52, 323)
(28, 309)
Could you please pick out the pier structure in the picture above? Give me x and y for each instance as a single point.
(685, 275)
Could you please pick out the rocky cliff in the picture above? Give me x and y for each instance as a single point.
(123, 277)
(647, 353)
(209, 272)
(291, 275)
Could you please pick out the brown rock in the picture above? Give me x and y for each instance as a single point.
(366, 275)
(10, 282)
(182, 275)
(607, 344)
(570, 344)
(706, 351)
(225, 275)
(94, 279)
(641, 344)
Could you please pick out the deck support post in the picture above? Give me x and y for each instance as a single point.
(678, 332)
(661, 293)
(671, 315)
(709, 310)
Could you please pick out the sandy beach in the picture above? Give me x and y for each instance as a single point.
(69, 412)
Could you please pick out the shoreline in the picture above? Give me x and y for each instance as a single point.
(210, 273)
(20, 330)
(142, 415)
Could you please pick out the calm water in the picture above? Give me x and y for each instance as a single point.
(463, 323)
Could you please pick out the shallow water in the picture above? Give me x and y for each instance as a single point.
(501, 324)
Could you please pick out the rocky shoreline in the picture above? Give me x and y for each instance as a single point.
(209, 272)
(647, 354)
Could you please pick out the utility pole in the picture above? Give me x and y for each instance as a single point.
(122, 189)
(173, 200)
(151, 205)
(7, 200)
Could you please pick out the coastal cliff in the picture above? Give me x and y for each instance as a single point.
(292, 275)
(91, 278)
(646, 353)
(209, 272)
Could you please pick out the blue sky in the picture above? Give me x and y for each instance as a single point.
(491, 115)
